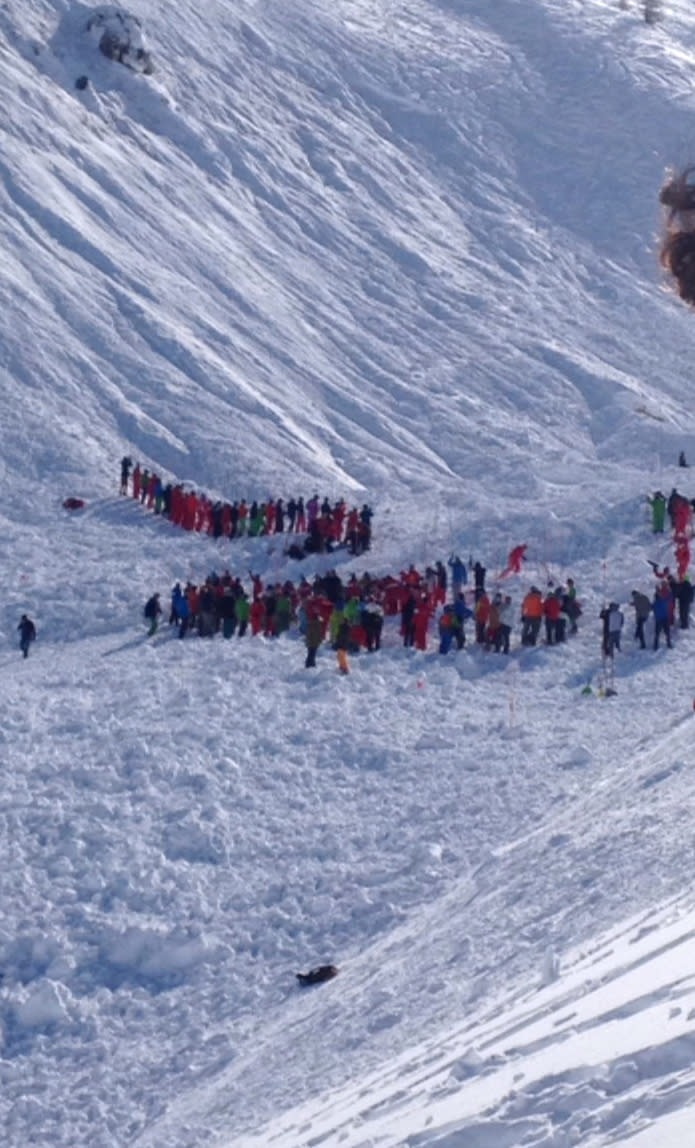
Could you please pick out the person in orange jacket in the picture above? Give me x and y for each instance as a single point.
(481, 613)
(531, 616)
(552, 608)
(193, 599)
(447, 627)
(492, 637)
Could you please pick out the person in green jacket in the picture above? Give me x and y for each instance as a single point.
(337, 616)
(241, 609)
(283, 613)
(256, 519)
(658, 505)
(352, 611)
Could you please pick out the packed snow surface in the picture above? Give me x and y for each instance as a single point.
(401, 254)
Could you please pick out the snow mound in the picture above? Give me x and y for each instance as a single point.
(119, 35)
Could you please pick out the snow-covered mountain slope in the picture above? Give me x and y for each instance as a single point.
(403, 254)
(367, 248)
(601, 1055)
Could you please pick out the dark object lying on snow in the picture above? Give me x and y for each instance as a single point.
(317, 976)
(73, 503)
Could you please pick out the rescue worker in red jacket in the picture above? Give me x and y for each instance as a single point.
(257, 615)
(514, 560)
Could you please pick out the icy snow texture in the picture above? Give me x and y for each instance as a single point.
(396, 253)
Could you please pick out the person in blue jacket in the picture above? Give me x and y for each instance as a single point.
(662, 625)
(461, 612)
(459, 575)
(183, 611)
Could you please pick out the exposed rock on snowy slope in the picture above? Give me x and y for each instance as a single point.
(119, 36)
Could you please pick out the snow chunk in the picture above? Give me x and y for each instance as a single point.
(470, 1064)
(149, 957)
(551, 966)
(193, 841)
(577, 759)
(44, 1005)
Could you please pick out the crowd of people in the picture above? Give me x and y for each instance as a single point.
(437, 602)
(349, 613)
(673, 591)
(669, 604)
(318, 526)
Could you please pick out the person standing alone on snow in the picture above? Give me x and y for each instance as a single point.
(27, 634)
(126, 466)
(152, 611)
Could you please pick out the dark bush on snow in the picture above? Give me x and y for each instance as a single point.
(677, 253)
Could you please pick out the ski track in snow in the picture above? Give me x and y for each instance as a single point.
(396, 254)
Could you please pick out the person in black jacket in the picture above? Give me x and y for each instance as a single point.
(27, 634)
(226, 612)
(372, 618)
(126, 467)
(152, 611)
(479, 573)
(317, 976)
(643, 609)
(683, 593)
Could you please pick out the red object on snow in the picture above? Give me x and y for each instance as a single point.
(73, 503)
